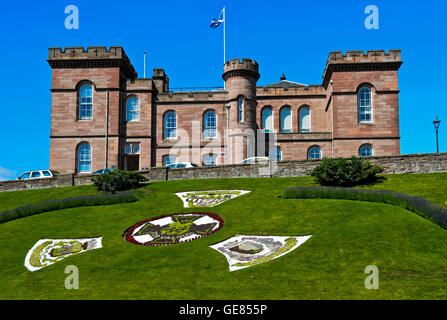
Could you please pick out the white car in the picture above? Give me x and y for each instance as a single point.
(182, 165)
(38, 174)
(255, 160)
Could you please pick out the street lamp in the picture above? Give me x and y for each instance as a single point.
(437, 123)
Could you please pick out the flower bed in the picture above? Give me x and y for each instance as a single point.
(174, 228)
(209, 198)
(246, 251)
(48, 251)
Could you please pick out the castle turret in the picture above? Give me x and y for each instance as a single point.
(240, 77)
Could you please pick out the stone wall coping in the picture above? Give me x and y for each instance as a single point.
(400, 164)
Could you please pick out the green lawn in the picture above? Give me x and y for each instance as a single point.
(410, 252)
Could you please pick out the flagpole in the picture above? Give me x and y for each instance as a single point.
(224, 21)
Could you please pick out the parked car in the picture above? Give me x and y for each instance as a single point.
(182, 165)
(38, 174)
(101, 171)
(253, 160)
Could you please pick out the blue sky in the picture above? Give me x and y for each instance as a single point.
(289, 36)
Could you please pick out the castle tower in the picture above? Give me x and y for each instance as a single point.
(240, 78)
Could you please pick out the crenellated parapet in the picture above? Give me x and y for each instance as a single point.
(139, 85)
(361, 57)
(310, 90)
(92, 57)
(361, 61)
(244, 67)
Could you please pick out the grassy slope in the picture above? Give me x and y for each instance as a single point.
(410, 252)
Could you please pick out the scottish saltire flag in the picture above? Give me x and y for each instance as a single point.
(217, 21)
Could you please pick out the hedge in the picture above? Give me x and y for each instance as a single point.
(74, 202)
(417, 205)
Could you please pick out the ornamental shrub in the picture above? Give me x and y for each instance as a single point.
(346, 172)
(118, 180)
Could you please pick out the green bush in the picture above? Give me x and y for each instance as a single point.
(83, 201)
(418, 205)
(118, 180)
(346, 172)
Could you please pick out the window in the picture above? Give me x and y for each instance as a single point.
(304, 116)
(25, 175)
(365, 105)
(286, 120)
(240, 109)
(366, 150)
(132, 148)
(210, 124)
(133, 109)
(84, 158)
(35, 174)
(275, 154)
(46, 173)
(170, 125)
(314, 153)
(169, 159)
(85, 102)
(210, 159)
(267, 119)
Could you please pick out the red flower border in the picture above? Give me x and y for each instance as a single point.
(128, 233)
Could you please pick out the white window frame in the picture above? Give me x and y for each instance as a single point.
(240, 109)
(300, 122)
(82, 104)
(210, 156)
(275, 151)
(132, 146)
(79, 160)
(282, 130)
(165, 127)
(135, 111)
(361, 109)
(263, 122)
(309, 153)
(207, 127)
(366, 145)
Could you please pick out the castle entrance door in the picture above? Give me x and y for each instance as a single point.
(132, 162)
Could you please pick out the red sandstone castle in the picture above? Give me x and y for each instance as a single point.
(104, 116)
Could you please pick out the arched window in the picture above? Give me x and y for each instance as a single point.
(365, 105)
(133, 109)
(170, 125)
(267, 119)
(366, 150)
(275, 154)
(85, 102)
(240, 109)
(304, 116)
(314, 153)
(132, 148)
(84, 157)
(210, 124)
(210, 159)
(286, 120)
(169, 159)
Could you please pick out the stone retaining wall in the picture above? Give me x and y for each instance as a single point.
(403, 164)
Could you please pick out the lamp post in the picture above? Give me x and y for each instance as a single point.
(437, 123)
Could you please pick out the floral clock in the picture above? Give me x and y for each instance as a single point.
(174, 228)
